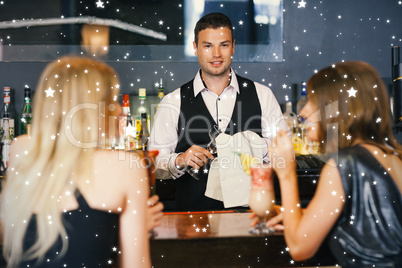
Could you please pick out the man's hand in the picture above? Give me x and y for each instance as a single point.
(195, 156)
(154, 211)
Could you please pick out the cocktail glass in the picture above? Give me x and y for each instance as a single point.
(262, 196)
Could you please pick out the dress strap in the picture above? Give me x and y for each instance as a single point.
(82, 203)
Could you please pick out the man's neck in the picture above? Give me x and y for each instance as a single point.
(216, 83)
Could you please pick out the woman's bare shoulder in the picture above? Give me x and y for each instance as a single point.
(18, 146)
(20, 143)
(115, 178)
(118, 165)
(117, 159)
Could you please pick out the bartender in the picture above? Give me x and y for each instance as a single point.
(215, 98)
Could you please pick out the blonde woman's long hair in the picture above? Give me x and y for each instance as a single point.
(72, 104)
(353, 104)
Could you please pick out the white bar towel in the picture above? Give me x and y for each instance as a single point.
(227, 181)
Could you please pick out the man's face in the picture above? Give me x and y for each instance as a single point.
(214, 51)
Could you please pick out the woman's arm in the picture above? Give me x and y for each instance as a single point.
(155, 212)
(134, 240)
(304, 232)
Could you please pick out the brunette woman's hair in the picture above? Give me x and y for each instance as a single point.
(353, 104)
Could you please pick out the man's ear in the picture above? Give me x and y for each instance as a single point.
(195, 48)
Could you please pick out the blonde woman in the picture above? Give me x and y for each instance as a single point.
(67, 203)
(357, 205)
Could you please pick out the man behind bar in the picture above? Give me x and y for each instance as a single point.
(215, 98)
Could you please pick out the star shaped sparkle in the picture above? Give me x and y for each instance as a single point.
(99, 4)
(302, 4)
(352, 92)
(50, 92)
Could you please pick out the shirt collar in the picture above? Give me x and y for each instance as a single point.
(199, 85)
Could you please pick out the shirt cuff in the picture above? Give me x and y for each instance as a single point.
(174, 170)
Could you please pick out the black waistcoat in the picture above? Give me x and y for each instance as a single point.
(193, 128)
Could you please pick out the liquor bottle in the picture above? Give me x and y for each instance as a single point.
(6, 128)
(142, 108)
(6, 139)
(26, 116)
(9, 109)
(144, 136)
(128, 135)
(161, 90)
(289, 116)
(161, 95)
(303, 98)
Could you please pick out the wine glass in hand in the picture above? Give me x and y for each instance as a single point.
(211, 147)
(262, 196)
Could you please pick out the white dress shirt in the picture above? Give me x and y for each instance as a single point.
(164, 133)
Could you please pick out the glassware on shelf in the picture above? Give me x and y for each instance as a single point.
(262, 196)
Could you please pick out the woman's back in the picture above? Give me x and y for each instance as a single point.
(92, 238)
(109, 202)
(369, 230)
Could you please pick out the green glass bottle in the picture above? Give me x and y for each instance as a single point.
(26, 116)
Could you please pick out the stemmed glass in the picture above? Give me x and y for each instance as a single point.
(197, 173)
(262, 196)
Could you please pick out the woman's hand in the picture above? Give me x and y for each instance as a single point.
(122, 125)
(273, 222)
(154, 212)
(281, 154)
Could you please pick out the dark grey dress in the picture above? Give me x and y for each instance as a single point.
(369, 230)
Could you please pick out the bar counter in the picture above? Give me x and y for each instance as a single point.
(221, 239)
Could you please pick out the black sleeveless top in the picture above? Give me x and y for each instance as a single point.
(194, 124)
(92, 239)
(368, 233)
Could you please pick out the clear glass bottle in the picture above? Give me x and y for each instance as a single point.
(142, 108)
(161, 90)
(26, 115)
(6, 139)
(6, 129)
(9, 109)
(303, 98)
(289, 116)
(144, 132)
(161, 94)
